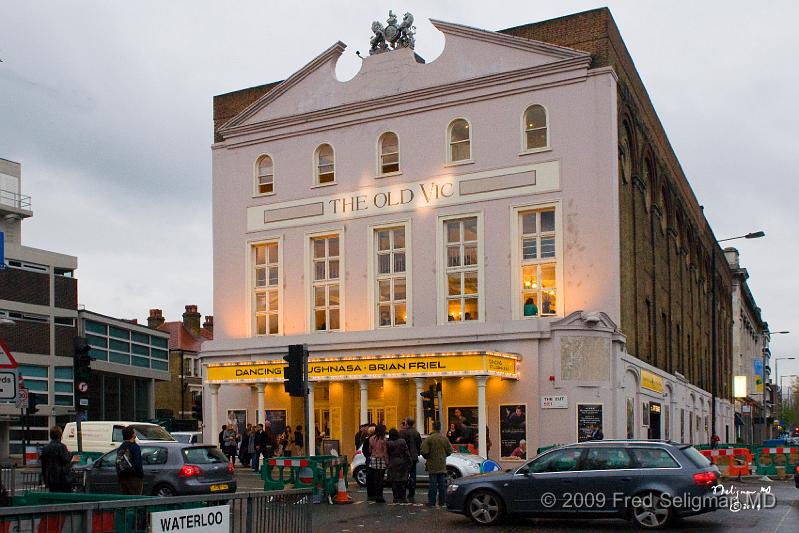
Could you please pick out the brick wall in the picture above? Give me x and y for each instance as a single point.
(28, 337)
(227, 106)
(66, 292)
(64, 336)
(666, 243)
(168, 393)
(25, 286)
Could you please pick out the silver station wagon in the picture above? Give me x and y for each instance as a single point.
(647, 482)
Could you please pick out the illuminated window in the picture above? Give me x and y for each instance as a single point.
(462, 269)
(325, 164)
(326, 283)
(265, 179)
(265, 297)
(538, 294)
(460, 141)
(390, 277)
(536, 132)
(389, 153)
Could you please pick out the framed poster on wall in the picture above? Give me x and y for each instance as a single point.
(645, 413)
(588, 414)
(238, 417)
(630, 418)
(277, 420)
(462, 424)
(513, 431)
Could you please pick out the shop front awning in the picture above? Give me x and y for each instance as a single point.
(439, 364)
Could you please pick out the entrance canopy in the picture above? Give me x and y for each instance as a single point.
(440, 364)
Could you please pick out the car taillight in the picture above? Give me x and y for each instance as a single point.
(705, 478)
(230, 468)
(189, 471)
(797, 469)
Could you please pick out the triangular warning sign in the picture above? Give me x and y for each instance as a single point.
(6, 359)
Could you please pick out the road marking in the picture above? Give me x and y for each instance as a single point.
(779, 526)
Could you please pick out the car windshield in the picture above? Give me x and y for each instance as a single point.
(203, 455)
(148, 432)
(697, 458)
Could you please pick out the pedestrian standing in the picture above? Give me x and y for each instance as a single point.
(414, 441)
(284, 442)
(299, 441)
(130, 470)
(367, 452)
(56, 463)
(244, 453)
(229, 437)
(435, 449)
(251, 448)
(222, 437)
(399, 461)
(378, 461)
(269, 442)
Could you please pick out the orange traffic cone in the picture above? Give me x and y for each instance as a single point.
(341, 490)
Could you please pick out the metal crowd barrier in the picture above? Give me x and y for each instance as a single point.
(250, 512)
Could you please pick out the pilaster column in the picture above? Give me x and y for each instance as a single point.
(259, 390)
(482, 422)
(214, 387)
(364, 385)
(311, 429)
(419, 408)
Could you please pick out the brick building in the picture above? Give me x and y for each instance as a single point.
(39, 296)
(174, 398)
(594, 294)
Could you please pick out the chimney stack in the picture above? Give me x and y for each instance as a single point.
(209, 323)
(191, 320)
(156, 319)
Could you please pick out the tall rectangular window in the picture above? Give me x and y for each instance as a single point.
(267, 280)
(390, 277)
(326, 283)
(462, 269)
(538, 291)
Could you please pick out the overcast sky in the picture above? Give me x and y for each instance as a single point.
(107, 105)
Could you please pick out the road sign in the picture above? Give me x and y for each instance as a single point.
(84, 402)
(8, 385)
(22, 398)
(83, 386)
(6, 359)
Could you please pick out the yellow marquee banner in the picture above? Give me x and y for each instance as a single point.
(651, 381)
(440, 364)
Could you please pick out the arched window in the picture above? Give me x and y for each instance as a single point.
(265, 175)
(460, 140)
(536, 133)
(325, 162)
(625, 155)
(388, 147)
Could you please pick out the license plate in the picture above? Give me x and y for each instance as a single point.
(221, 486)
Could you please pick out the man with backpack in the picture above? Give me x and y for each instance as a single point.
(130, 471)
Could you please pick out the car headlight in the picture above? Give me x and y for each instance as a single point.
(452, 487)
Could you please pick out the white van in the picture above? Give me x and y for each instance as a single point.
(106, 436)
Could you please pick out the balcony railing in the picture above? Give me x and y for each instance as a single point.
(14, 199)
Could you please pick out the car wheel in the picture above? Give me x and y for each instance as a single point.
(452, 474)
(163, 491)
(650, 512)
(360, 476)
(484, 508)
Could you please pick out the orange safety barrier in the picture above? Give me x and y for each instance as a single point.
(741, 463)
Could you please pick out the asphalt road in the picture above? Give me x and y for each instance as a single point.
(407, 518)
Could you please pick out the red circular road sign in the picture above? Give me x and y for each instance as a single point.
(83, 386)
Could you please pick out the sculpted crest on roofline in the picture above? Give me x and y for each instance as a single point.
(393, 35)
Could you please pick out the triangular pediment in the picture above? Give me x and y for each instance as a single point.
(469, 54)
(585, 320)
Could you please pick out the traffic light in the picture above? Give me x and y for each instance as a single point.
(82, 370)
(429, 402)
(197, 407)
(33, 404)
(294, 373)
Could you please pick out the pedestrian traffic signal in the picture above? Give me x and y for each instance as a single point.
(33, 404)
(197, 407)
(429, 402)
(294, 373)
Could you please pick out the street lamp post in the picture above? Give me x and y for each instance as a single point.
(714, 342)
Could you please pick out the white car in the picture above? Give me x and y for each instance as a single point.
(188, 437)
(458, 465)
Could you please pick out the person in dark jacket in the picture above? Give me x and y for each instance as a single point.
(299, 441)
(367, 452)
(414, 441)
(269, 442)
(56, 463)
(131, 480)
(399, 461)
(244, 456)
